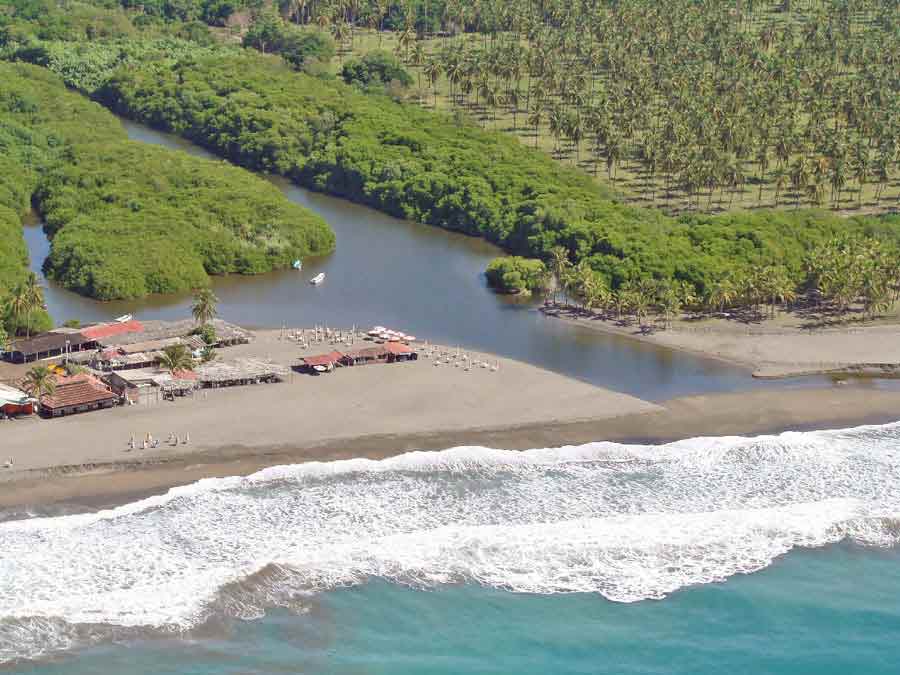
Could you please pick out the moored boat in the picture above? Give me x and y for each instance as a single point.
(318, 279)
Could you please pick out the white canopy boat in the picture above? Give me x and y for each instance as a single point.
(318, 279)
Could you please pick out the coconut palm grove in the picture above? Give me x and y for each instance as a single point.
(641, 156)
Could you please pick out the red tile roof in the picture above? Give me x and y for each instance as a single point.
(81, 389)
(398, 348)
(109, 329)
(322, 359)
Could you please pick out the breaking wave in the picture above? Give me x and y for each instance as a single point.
(628, 522)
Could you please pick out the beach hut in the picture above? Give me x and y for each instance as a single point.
(366, 356)
(321, 363)
(76, 394)
(15, 402)
(47, 345)
(400, 352)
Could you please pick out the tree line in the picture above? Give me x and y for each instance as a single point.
(782, 104)
(849, 274)
(432, 168)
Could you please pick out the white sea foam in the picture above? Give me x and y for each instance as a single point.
(628, 522)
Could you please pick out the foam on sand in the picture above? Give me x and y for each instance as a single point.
(626, 522)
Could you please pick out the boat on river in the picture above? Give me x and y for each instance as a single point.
(318, 279)
(297, 265)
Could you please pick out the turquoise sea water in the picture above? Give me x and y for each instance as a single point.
(833, 611)
(775, 554)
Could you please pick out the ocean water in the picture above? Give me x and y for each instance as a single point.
(774, 554)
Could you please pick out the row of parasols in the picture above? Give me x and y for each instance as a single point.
(389, 335)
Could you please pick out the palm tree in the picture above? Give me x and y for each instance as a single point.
(175, 358)
(18, 307)
(535, 115)
(39, 382)
(670, 304)
(722, 294)
(559, 263)
(432, 71)
(34, 295)
(204, 307)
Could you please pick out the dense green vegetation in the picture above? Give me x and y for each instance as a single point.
(683, 104)
(426, 167)
(711, 101)
(302, 48)
(376, 69)
(127, 219)
(513, 274)
(111, 211)
(37, 124)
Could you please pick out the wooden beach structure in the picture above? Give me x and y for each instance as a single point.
(47, 346)
(318, 362)
(390, 352)
(239, 372)
(143, 384)
(77, 394)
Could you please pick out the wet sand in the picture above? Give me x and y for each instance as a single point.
(98, 480)
(772, 349)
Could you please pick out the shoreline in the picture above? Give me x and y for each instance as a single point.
(104, 484)
(851, 352)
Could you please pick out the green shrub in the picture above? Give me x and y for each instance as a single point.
(513, 274)
(376, 68)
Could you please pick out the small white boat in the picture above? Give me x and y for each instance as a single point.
(297, 265)
(318, 279)
(124, 318)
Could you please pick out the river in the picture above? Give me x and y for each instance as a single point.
(419, 279)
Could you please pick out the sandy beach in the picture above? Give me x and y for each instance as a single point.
(377, 411)
(771, 349)
(84, 458)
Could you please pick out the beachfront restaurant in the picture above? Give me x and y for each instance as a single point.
(400, 352)
(365, 356)
(15, 402)
(47, 346)
(321, 363)
(390, 352)
(76, 394)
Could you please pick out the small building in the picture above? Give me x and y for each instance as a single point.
(366, 356)
(398, 351)
(133, 385)
(102, 332)
(47, 346)
(322, 362)
(15, 401)
(238, 372)
(76, 394)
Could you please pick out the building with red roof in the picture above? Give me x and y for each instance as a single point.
(108, 330)
(75, 394)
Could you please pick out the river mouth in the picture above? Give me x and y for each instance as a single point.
(419, 279)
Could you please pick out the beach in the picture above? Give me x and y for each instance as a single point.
(379, 411)
(785, 347)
